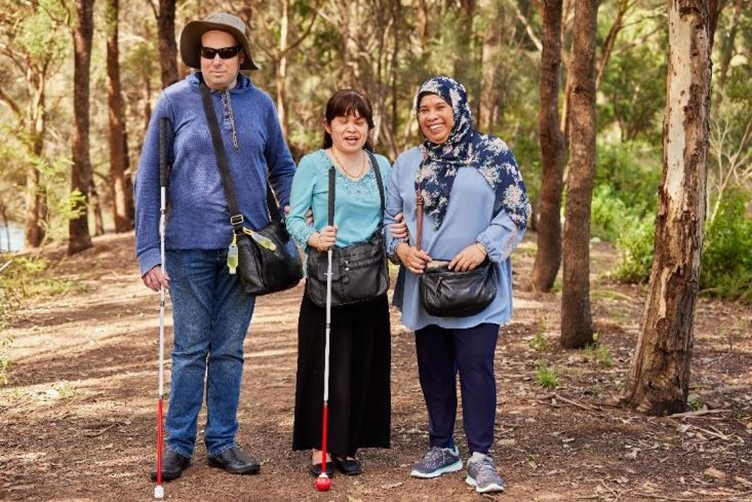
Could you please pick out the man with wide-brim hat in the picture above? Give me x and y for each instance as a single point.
(190, 38)
(211, 310)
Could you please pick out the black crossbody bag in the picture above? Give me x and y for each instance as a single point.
(268, 260)
(360, 271)
(449, 293)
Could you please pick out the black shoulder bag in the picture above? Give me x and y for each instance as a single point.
(360, 271)
(448, 293)
(268, 261)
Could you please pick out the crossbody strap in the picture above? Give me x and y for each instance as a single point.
(379, 182)
(419, 217)
(236, 217)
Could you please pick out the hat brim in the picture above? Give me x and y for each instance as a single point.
(190, 43)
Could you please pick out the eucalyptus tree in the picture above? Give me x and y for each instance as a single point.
(658, 381)
(352, 44)
(576, 316)
(120, 183)
(164, 11)
(282, 27)
(731, 125)
(81, 174)
(31, 53)
(552, 145)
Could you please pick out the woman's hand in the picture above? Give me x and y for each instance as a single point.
(155, 279)
(399, 227)
(469, 258)
(413, 259)
(324, 239)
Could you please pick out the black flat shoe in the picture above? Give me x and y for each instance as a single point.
(173, 465)
(349, 466)
(316, 470)
(235, 461)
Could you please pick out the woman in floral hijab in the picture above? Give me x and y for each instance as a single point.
(475, 208)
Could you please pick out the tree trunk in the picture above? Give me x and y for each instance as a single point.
(576, 318)
(121, 186)
(488, 102)
(613, 33)
(658, 382)
(280, 75)
(36, 209)
(81, 178)
(567, 15)
(548, 254)
(96, 209)
(726, 52)
(350, 50)
(464, 62)
(168, 48)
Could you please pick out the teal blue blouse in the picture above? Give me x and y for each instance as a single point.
(357, 208)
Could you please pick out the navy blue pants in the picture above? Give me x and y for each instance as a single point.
(442, 353)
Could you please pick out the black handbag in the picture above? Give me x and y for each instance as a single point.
(268, 260)
(360, 271)
(448, 293)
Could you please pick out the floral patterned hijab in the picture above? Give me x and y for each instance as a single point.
(466, 147)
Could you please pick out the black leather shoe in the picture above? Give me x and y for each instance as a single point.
(349, 466)
(235, 461)
(316, 470)
(173, 465)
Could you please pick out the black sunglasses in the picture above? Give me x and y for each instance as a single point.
(224, 52)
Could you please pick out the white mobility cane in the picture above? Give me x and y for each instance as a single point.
(163, 124)
(323, 483)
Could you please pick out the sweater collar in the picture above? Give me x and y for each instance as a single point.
(244, 83)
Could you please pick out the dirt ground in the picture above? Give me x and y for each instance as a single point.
(78, 417)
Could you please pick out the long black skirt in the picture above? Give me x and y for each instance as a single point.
(359, 377)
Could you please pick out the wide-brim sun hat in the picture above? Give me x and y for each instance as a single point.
(190, 38)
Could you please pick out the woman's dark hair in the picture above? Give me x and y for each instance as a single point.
(347, 102)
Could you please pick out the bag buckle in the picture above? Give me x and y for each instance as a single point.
(236, 219)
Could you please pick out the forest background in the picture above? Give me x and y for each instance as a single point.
(80, 77)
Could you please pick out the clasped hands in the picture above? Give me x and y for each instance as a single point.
(415, 260)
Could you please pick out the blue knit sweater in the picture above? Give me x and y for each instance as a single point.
(198, 215)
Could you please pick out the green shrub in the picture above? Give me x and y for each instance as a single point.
(599, 353)
(539, 342)
(546, 377)
(16, 273)
(635, 245)
(9, 298)
(726, 267)
(609, 214)
(633, 171)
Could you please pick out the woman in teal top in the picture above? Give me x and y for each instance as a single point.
(360, 346)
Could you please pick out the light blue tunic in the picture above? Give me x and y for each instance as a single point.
(357, 208)
(468, 219)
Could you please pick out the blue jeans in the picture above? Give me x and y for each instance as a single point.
(211, 314)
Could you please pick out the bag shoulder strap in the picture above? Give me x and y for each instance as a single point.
(419, 217)
(379, 182)
(236, 217)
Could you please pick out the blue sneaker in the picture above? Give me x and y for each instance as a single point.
(481, 473)
(437, 461)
